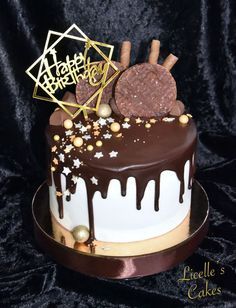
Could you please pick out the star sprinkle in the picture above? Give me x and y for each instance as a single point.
(78, 125)
(55, 161)
(67, 192)
(77, 163)
(66, 170)
(94, 180)
(61, 157)
(74, 179)
(54, 148)
(86, 137)
(126, 125)
(110, 120)
(102, 121)
(58, 194)
(69, 132)
(83, 129)
(113, 154)
(107, 136)
(138, 121)
(98, 155)
(153, 121)
(96, 133)
(166, 119)
(68, 148)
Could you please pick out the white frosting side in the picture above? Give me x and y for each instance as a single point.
(117, 219)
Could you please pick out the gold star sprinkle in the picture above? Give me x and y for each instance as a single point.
(96, 133)
(153, 121)
(72, 138)
(54, 148)
(55, 161)
(138, 120)
(58, 194)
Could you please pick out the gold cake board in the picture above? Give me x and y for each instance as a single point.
(121, 260)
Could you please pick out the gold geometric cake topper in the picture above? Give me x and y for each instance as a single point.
(54, 74)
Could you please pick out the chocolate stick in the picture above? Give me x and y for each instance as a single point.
(170, 61)
(125, 53)
(154, 52)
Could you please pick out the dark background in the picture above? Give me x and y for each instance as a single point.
(203, 35)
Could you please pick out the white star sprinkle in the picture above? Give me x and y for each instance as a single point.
(94, 180)
(67, 192)
(69, 132)
(107, 136)
(74, 179)
(102, 121)
(66, 170)
(78, 125)
(86, 137)
(110, 120)
(166, 119)
(83, 129)
(126, 125)
(77, 163)
(68, 148)
(113, 154)
(61, 157)
(98, 155)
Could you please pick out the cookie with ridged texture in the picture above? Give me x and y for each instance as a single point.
(145, 90)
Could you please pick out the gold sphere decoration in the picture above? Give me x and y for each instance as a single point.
(99, 143)
(104, 111)
(126, 119)
(90, 147)
(80, 234)
(115, 127)
(147, 125)
(68, 124)
(53, 169)
(78, 141)
(183, 119)
(56, 137)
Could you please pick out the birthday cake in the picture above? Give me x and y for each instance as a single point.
(123, 173)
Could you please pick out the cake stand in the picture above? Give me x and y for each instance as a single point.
(123, 260)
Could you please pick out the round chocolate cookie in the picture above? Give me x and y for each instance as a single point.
(84, 90)
(145, 90)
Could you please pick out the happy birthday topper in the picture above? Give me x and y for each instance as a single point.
(55, 74)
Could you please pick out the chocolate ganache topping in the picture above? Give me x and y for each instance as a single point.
(119, 148)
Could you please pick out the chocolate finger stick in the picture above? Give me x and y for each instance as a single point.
(125, 53)
(170, 62)
(154, 52)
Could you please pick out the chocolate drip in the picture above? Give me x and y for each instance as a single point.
(191, 172)
(168, 146)
(123, 187)
(140, 190)
(57, 182)
(157, 194)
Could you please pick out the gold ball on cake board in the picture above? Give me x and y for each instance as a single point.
(183, 119)
(78, 141)
(80, 234)
(115, 127)
(56, 137)
(68, 124)
(104, 111)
